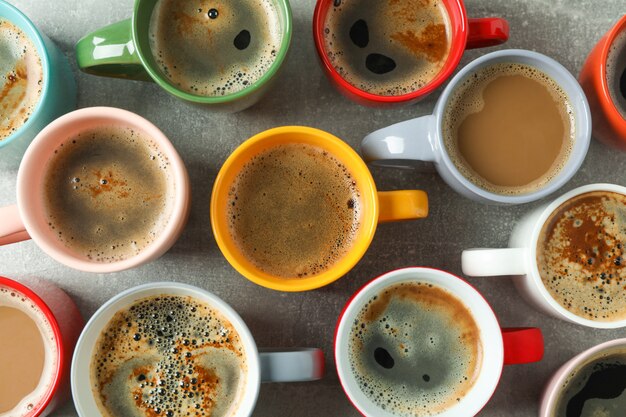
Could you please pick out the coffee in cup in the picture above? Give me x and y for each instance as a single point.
(616, 72)
(21, 78)
(168, 355)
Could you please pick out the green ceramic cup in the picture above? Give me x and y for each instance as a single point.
(122, 50)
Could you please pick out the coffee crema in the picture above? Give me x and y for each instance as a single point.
(21, 78)
(169, 356)
(108, 193)
(387, 47)
(580, 255)
(596, 388)
(294, 210)
(616, 72)
(28, 354)
(415, 349)
(217, 48)
(509, 128)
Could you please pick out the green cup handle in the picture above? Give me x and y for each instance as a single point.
(111, 52)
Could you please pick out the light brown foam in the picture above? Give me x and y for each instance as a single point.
(615, 67)
(294, 210)
(414, 33)
(509, 128)
(109, 193)
(580, 256)
(21, 78)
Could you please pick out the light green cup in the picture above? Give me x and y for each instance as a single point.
(122, 50)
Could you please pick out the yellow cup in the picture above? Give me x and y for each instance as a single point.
(377, 206)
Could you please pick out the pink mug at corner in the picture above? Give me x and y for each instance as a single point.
(28, 219)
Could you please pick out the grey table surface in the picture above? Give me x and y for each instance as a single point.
(563, 29)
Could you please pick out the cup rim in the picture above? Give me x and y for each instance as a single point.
(607, 101)
(44, 56)
(58, 340)
(392, 275)
(457, 48)
(336, 271)
(93, 329)
(583, 136)
(30, 162)
(155, 74)
(532, 255)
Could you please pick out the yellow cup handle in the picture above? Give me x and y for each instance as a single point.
(402, 205)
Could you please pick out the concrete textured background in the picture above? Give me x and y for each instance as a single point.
(563, 29)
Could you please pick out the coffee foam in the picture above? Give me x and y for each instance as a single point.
(615, 67)
(109, 193)
(294, 210)
(199, 54)
(170, 356)
(580, 255)
(14, 299)
(415, 34)
(467, 99)
(21, 78)
(415, 349)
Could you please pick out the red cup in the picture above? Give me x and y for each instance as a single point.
(608, 124)
(466, 34)
(499, 346)
(66, 323)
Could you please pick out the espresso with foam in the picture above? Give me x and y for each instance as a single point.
(168, 355)
(108, 193)
(616, 72)
(509, 128)
(21, 78)
(294, 210)
(215, 48)
(580, 255)
(415, 349)
(387, 47)
(597, 388)
(28, 354)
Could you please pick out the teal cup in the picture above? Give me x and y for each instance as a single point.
(58, 90)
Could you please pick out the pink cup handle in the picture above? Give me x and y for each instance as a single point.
(12, 228)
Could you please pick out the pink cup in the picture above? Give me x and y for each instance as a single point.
(27, 219)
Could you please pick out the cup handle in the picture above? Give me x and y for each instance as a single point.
(494, 262)
(284, 365)
(487, 31)
(522, 345)
(12, 228)
(402, 205)
(111, 52)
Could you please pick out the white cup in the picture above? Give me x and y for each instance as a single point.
(421, 139)
(499, 346)
(268, 366)
(520, 260)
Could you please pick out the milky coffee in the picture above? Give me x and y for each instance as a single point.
(616, 72)
(108, 193)
(21, 78)
(580, 255)
(415, 349)
(294, 210)
(168, 356)
(28, 354)
(509, 128)
(215, 48)
(387, 47)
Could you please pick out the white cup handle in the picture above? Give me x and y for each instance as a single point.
(494, 262)
(284, 365)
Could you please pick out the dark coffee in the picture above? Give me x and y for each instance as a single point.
(415, 349)
(387, 47)
(595, 389)
(168, 356)
(580, 255)
(616, 72)
(216, 48)
(108, 193)
(294, 210)
(21, 78)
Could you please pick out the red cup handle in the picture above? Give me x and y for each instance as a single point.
(522, 345)
(487, 31)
